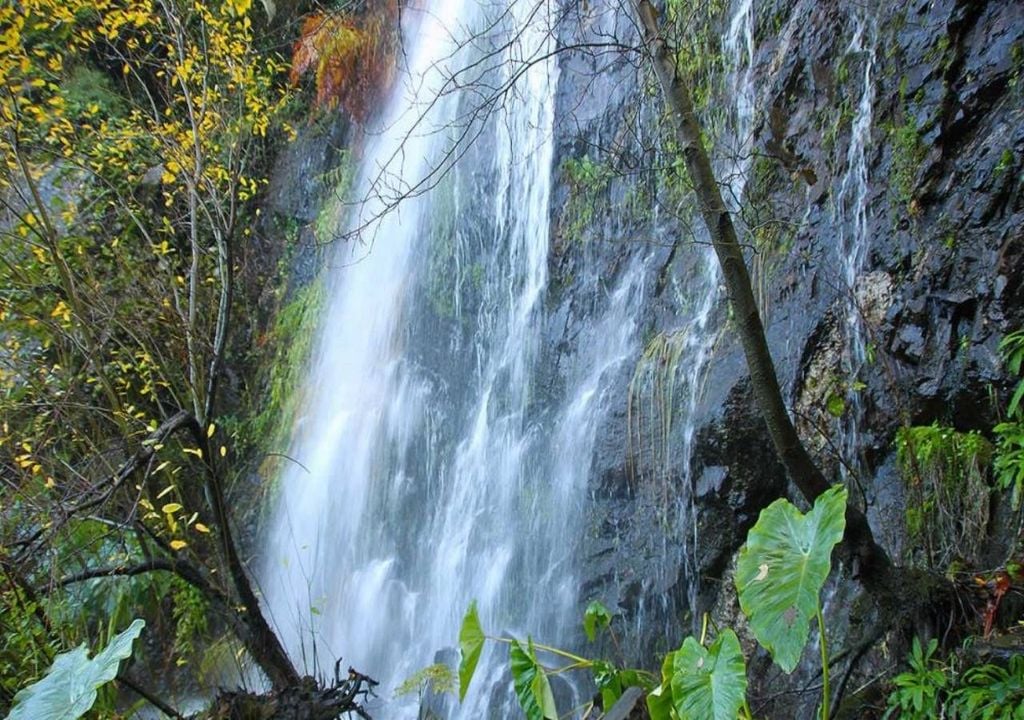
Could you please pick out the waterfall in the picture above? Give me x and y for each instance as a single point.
(431, 467)
(429, 470)
(851, 222)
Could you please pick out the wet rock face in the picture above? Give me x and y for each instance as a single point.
(940, 283)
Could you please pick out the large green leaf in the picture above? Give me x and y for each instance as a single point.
(709, 683)
(68, 690)
(659, 700)
(782, 568)
(471, 643)
(531, 683)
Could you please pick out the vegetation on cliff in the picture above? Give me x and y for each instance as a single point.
(136, 134)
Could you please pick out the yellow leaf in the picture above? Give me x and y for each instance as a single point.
(171, 508)
(178, 544)
(223, 451)
(211, 430)
(201, 528)
(164, 491)
(194, 451)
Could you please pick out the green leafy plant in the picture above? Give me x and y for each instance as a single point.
(919, 691)
(709, 682)
(990, 692)
(588, 183)
(946, 473)
(782, 568)
(190, 611)
(437, 678)
(780, 574)
(68, 690)
(931, 688)
(530, 675)
(471, 644)
(596, 617)
(533, 689)
(1009, 457)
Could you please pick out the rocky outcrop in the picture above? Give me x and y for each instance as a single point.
(938, 286)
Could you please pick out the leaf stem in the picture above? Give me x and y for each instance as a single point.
(825, 692)
(569, 668)
(747, 715)
(546, 648)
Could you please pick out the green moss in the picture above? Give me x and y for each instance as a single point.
(588, 184)
(1005, 162)
(908, 152)
(476, 275)
(290, 343)
(1017, 57)
(334, 211)
(442, 279)
(841, 118)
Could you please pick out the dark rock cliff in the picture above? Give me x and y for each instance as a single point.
(939, 285)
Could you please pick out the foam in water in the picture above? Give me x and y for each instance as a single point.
(431, 474)
(432, 470)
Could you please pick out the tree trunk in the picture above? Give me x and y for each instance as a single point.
(872, 562)
(260, 638)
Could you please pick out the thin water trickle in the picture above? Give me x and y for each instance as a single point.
(733, 166)
(851, 222)
(668, 383)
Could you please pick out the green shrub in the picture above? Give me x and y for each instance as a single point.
(933, 689)
(947, 506)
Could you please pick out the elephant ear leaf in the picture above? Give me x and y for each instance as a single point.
(531, 683)
(68, 690)
(471, 643)
(782, 568)
(709, 683)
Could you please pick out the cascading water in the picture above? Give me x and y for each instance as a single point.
(738, 47)
(851, 221)
(675, 371)
(431, 473)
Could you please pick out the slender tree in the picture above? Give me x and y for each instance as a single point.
(874, 564)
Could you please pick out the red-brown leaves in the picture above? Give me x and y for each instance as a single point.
(995, 585)
(352, 57)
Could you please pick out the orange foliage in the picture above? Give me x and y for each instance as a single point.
(352, 58)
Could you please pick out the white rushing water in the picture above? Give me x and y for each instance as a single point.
(851, 221)
(430, 469)
(426, 477)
